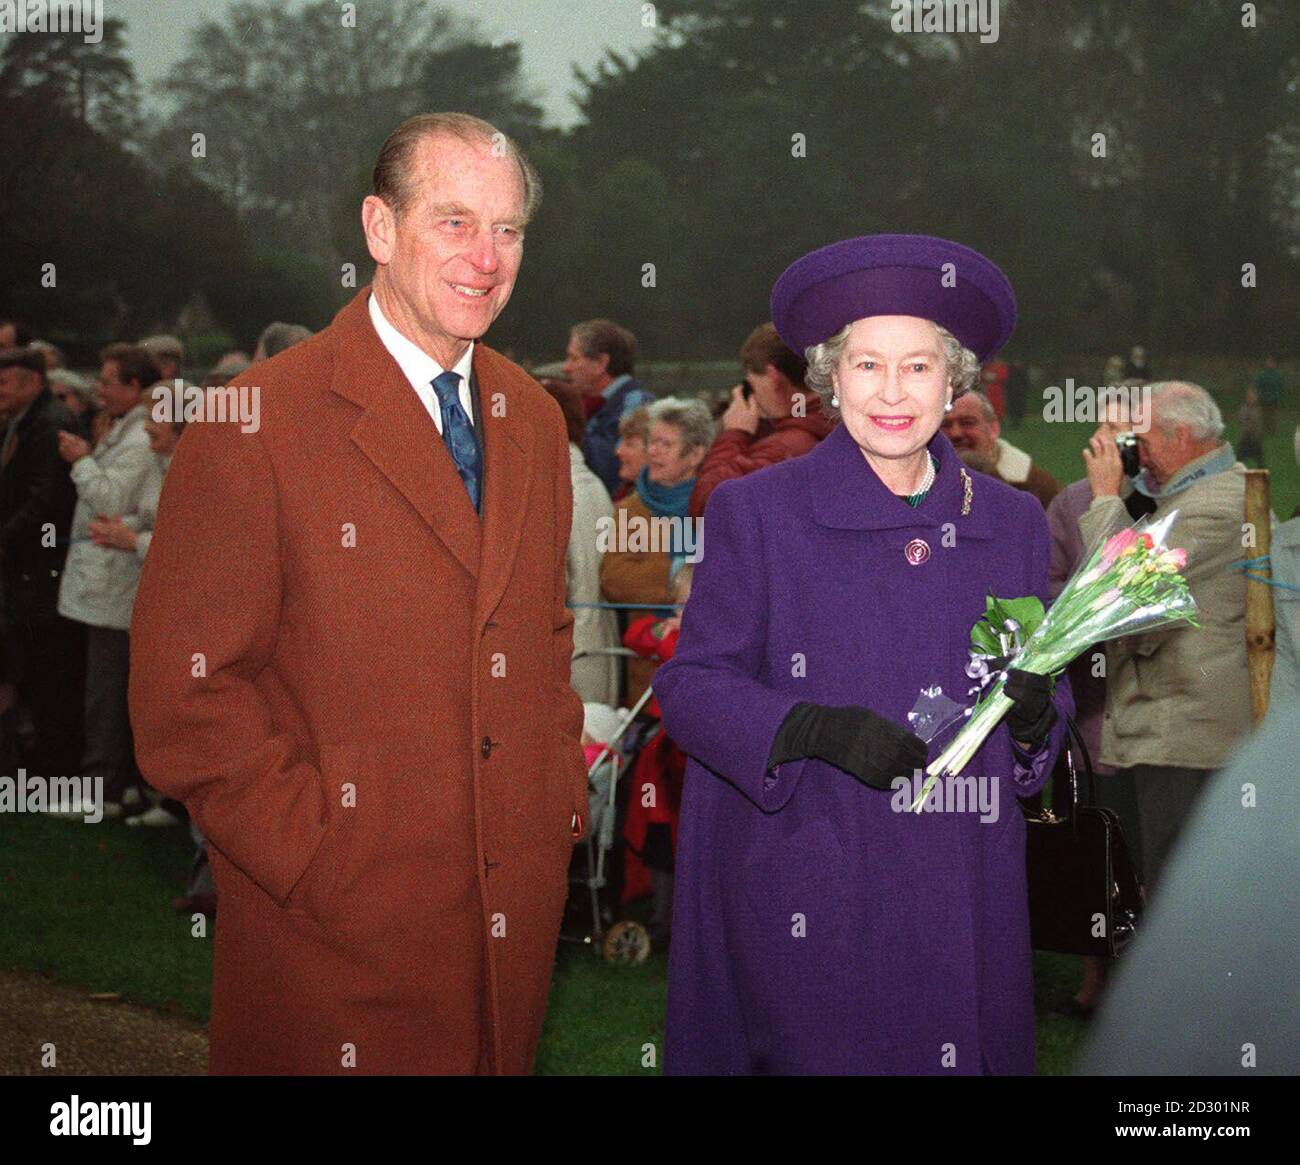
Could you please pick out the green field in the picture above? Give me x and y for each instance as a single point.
(89, 906)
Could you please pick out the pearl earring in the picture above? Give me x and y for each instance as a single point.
(948, 407)
(835, 401)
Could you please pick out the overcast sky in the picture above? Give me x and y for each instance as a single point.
(554, 34)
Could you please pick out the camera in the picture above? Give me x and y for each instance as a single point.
(1128, 454)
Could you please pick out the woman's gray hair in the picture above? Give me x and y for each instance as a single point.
(690, 416)
(1179, 402)
(278, 337)
(962, 364)
(79, 384)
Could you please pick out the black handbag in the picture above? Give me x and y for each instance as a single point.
(1083, 889)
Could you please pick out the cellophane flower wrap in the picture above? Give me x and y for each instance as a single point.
(1131, 582)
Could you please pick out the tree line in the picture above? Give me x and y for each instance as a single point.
(1131, 163)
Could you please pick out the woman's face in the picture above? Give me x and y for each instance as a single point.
(671, 463)
(631, 454)
(162, 436)
(892, 381)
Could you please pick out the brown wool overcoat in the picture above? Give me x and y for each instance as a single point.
(360, 690)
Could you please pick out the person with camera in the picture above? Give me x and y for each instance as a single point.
(771, 417)
(1177, 700)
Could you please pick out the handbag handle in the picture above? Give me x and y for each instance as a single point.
(1075, 737)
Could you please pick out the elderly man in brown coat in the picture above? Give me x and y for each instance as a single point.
(350, 655)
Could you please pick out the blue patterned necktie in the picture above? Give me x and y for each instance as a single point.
(459, 434)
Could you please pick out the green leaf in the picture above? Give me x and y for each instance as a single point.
(1027, 611)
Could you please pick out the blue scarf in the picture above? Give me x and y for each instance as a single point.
(1215, 461)
(667, 501)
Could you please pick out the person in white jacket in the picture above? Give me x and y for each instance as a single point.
(99, 582)
(595, 670)
(131, 535)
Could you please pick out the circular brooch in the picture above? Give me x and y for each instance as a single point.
(916, 552)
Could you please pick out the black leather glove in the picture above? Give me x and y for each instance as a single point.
(869, 747)
(1033, 713)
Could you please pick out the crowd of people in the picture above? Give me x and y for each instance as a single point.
(83, 470)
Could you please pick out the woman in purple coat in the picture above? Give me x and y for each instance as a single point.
(819, 926)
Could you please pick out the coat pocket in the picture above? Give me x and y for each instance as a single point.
(399, 853)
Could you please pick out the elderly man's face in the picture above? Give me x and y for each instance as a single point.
(1163, 453)
(968, 428)
(892, 382)
(18, 388)
(450, 259)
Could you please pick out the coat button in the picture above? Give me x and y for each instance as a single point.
(485, 747)
(916, 552)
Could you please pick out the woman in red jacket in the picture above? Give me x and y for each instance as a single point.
(650, 830)
(772, 416)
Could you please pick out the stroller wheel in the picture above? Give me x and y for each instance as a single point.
(626, 942)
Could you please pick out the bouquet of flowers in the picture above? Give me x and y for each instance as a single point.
(1130, 583)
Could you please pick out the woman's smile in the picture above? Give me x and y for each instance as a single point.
(893, 424)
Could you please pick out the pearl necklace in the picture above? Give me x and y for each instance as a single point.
(926, 482)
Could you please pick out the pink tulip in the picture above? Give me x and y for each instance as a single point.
(1178, 556)
(1117, 544)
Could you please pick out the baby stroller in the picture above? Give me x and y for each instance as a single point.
(624, 940)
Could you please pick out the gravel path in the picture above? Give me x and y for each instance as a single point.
(91, 1037)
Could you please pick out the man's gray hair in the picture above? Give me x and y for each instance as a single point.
(276, 337)
(986, 405)
(962, 364)
(1179, 402)
(690, 416)
(392, 175)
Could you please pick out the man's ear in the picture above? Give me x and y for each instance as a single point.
(380, 225)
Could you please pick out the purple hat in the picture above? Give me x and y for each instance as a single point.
(896, 275)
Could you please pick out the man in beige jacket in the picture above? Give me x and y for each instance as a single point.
(1177, 700)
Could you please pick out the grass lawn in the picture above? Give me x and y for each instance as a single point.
(90, 906)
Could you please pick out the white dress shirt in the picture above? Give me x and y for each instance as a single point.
(420, 368)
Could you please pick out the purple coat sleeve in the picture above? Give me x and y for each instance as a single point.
(715, 706)
(1030, 770)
